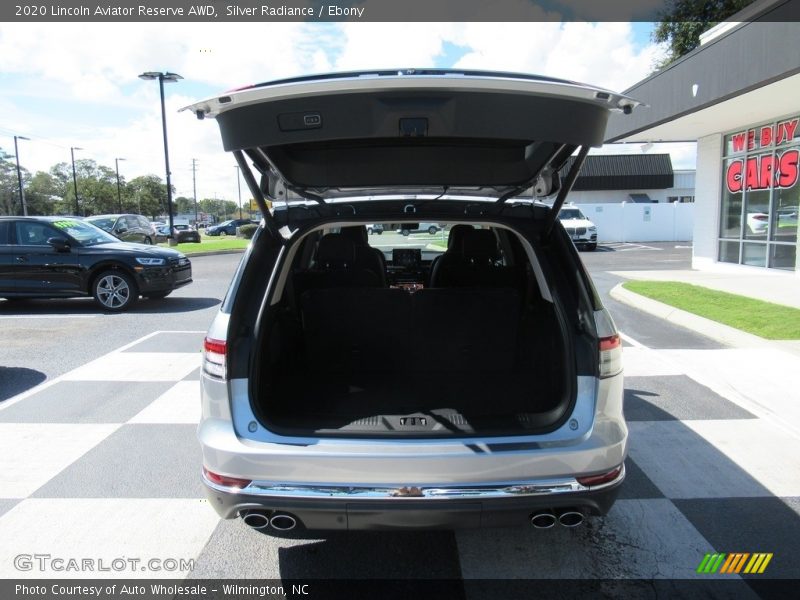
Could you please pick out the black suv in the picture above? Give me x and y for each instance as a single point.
(128, 228)
(320, 406)
(62, 257)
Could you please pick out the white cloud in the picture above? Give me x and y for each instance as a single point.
(77, 71)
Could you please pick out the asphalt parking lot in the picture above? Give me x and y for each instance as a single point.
(97, 421)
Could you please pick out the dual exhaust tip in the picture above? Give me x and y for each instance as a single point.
(259, 519)
(546, 519)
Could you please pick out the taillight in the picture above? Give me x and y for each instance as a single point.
(214, 357)
(225, 480)
(601, 478)
(760, 217)
(610, 355)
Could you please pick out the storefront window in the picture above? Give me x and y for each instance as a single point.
(729, 252)
(760, 195)
(730, 221)
(786, 205)
(756, 211)
(782, 256)
(754, 254)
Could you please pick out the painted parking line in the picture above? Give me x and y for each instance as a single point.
(60, 316)
(69, 374)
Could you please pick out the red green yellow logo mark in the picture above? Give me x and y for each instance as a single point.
(734, 562)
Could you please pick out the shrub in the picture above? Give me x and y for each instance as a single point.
(247, 231)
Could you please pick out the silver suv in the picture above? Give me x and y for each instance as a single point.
(320, 407)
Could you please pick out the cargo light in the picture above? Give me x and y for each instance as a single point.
(214, 352)
(610, 355)
(601, 478)
(225, 480)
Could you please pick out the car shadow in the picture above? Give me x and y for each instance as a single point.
(17, 380)
(87, 306)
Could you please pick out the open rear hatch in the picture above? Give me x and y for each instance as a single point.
(465, 133)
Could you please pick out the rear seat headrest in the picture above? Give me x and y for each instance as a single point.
(480, 244)
(455, 239)
(357, 234)
(335, 251)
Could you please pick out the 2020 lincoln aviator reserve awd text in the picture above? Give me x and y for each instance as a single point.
(467, 379)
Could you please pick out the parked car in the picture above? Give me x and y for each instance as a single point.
(431, 228)
(162, 233)
(184, 233)
(514, 415)
(582, 231)
(376, 228)
(128, 228)
(227, 227)
(63, 257)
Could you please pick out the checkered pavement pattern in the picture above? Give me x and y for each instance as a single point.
(103, 462)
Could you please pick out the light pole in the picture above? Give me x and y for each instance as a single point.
(119, 192)
(194, 191)
(75, 178)
(19, 175)
(239, 185)
(170, 78)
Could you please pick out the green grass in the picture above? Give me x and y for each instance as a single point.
(764, 319)
(211, 244)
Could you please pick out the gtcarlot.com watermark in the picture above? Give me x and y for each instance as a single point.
(45, 563)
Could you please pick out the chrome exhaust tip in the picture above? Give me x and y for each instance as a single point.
(256, 519)
(570, 518)
(283, 522)
(543, 520)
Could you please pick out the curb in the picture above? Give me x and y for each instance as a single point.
(717, 331)
(215, 253)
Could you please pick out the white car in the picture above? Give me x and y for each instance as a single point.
(582, 231)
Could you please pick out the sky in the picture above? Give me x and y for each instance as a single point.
(76, 85)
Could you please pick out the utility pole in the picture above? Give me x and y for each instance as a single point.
(119, 191)
(75, 179)
(194, 189)
(239, 185)
(19, 175)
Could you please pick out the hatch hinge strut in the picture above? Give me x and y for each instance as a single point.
(566, 186)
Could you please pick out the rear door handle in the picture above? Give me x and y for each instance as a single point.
(22, 259)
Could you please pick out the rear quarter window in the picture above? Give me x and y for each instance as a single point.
(4, 229)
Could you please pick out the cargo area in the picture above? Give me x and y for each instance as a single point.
(480, 352)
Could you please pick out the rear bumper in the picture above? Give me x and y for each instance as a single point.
(446, 507)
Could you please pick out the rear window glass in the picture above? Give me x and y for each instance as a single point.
(4, 232)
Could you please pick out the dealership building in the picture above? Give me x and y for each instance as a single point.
(738, 97)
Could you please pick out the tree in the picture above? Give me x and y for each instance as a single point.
(9, 185)
(684, 20)
(148, 194)
(45, 193)
(183, 205)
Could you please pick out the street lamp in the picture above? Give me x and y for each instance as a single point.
(119, 193)
(19, 175)
(75, 178)
(239, 185)
(169, 78)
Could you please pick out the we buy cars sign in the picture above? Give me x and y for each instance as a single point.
(762, 171)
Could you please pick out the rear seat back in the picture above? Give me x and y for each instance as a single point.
(373, 330)
(474, 330)
(351, 330)
(473, 264)
(335, 266)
